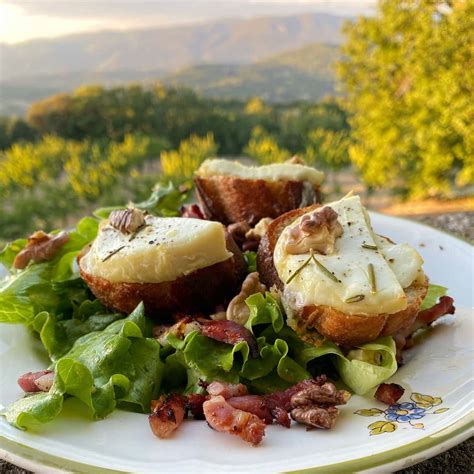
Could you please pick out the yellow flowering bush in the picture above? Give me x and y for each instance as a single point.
(180, 164)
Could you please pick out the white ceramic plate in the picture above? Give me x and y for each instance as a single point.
(440, 371)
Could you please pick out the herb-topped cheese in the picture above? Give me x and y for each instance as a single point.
(369, 273)
(274, 172)
(164, 249)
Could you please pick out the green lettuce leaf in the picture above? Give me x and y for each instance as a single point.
(116, 366)
(370, 365)
(251, 260)
(435, 292)
(52, 286)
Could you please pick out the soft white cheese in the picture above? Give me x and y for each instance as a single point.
(165, 249)
(395, 268)
(274, 172)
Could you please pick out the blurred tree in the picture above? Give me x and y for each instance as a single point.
(264, 148)
(327, 150)
(15, 129)
(408, 74)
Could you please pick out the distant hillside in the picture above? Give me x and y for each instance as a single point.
(171, 48)
(303, 74)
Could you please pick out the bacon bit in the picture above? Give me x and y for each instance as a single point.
(192, 210)
(41, 247)
(281, 417)
(230, 333)
(36, 381)
(255, 404)
(444, 306)
(194, 405)
(389, 393)
(426, 317)
(223, 417)
(168, 414)
(226, 390)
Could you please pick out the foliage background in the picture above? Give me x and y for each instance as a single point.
(403, 123)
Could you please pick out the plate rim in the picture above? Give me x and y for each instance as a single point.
(417, 451)
(457, 432)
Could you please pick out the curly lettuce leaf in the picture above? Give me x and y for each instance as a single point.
(115, 367)
(435, 292)
(365, 368)
(52, 286)
(251, 261)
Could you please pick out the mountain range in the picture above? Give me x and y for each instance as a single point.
(278, 58)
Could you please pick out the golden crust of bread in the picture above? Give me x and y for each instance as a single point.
(199, 291)
(228, 199)
(333, 324)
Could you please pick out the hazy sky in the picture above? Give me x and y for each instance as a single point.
(22, 20)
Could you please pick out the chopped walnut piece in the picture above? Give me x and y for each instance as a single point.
(316, 417)
(238, 230)
(259, 230)
(318, 231)
(314, 406)
(325, 394)
(41, 247)
(127, 221)
(238, 311)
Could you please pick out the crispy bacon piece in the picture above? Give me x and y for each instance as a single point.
(168, 414)
(192, 210)
(41, 247)
(281, 417)
(194, 405)
(444, 306)
(389, 393)
(230, 333)
(36, 381)
(404, 339)
(226, 390)
(255, 404)
(223, 417)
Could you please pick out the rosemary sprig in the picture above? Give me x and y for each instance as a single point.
(324, 269)
(113, 253)
(373, 281)
(319, 265)
(137, 231)
(370, 247)
(355, 299)
(297, 272)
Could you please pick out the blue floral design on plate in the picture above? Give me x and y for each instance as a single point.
(404, 412)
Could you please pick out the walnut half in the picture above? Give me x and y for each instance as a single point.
(318, 231)
(315, 406)
(238, 311)
(127, 221)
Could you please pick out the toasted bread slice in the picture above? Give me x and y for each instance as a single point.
(335, 325)
(199, 291)
(230, 199)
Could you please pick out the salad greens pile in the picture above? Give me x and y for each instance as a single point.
(108, 361)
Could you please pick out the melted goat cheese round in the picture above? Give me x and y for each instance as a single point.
(273, 172)
(163, 250)
(395, 267)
